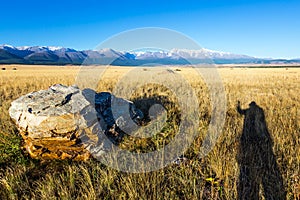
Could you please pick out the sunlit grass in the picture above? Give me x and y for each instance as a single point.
(212, 177)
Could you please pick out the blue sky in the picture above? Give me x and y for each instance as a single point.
(261, 28)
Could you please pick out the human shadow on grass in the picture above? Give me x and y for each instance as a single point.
(256, 159)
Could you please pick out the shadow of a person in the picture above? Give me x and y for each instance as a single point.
(256, 159)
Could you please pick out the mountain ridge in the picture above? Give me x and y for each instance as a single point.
(53, 55)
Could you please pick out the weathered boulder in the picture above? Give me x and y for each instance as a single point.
(68, 123)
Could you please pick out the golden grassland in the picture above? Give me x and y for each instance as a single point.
(214, 176)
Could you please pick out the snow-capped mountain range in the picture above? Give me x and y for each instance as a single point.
(60, 55)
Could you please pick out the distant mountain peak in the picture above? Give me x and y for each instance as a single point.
(6, 46)
(60, 55)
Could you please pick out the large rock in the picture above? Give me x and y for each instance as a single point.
(68, 123)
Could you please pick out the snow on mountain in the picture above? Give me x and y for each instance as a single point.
(206, 54)
(152, 55)
(34, 48)
(37, 48)
(188, 54)
(15, 51)
(51, 48)
(6, 46)
(23, 48)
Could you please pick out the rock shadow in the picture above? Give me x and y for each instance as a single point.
(256, 159)
(146, 103)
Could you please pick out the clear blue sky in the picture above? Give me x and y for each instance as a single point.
(261, 28)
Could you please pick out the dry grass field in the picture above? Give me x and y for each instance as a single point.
(214, 176)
